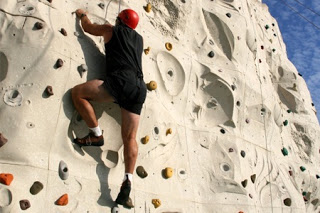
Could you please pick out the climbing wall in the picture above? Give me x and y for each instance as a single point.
(230, 126)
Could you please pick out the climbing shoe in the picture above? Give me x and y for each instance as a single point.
(90, 140)
(123, 196)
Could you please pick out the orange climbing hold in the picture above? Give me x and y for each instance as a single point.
(6, 178)
(63, 200)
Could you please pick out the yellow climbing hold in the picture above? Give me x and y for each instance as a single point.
(152, 85)
(148, 8)
(168, 172)
(156, 203)
(169, 131)
(146, 51)
(169, 46)
(146, 139)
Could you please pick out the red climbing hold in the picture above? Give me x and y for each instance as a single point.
(63, 200)
(6, 178)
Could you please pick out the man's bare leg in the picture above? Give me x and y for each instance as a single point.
(90, 91)
(129, 127)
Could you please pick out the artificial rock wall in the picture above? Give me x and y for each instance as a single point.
(231, 116)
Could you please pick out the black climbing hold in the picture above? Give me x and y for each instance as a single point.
(238, 103)
(253, 178)
(141, 172)
(59, 63)
(38, 25)
(262, 47)
(211, 54)
(284, 151)
(243, 153)
(3, 140)
(228, 15)
(302, 168)
(290, 173)
(285, 123)
(233, 87)
(299, 74)
(250, 195)
(273, 24)
(274, 35)
(222, 131)
(273, 50)
(317, 176)
(289, 111)
(24, 204)
(231, 150)
(101, 5)
(63, 32)
(287, 202)
(49, 90)
(36, 188)
(260, 61)
(50, 1)
(312, 104)
(244, 183)
(247, 121)
(267, 27)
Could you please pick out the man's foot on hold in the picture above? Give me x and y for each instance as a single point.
(123, 196)
(90, 140)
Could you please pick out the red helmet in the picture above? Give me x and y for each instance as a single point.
(129, 17)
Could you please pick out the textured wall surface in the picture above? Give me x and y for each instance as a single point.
(244, 134)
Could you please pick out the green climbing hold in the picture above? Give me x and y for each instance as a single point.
(267, 27)
(36, 188)
(285, 123)
(287, 202)
(141, 172)
(243, 153)
(289, 111)
(284, 151)
(304, 193)
(302, 168)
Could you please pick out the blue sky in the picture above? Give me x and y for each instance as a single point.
(302, 39)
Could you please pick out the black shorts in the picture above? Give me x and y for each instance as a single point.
(128, 90)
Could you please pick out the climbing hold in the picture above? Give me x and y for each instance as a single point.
(152, 85)
(304, 193)
(24, 204)
(312, 104)
(211, 54)
(169, 131)
(287, 202)
(38, 25)
(228, 15)
(145, 139)
(260, 61)
(63, 170)
(250, 195)
(50, 1)
(156, 203)
(273, 24)
(59, 63)
(262, 47)
(253, 178)
(115, 209)
(101, 5)
(315, 201)
(299, 74)
(222, 131)
(247, 120)
(3, 140)
(238, 103)
(82, 68)
(231, 150)
(141, 172)
(289, 111)
(148, 8)
(49, 90)
(290, 173)
(274, 35)
(63, 200)
(267, 27)
(63, 32)
(233, 87)
(13, 97)
(6, 178)
(243, 153)
(168, 172)
(36, 188)
(302, 168)
(317, 176)
(284, 151)
(273, 50)
(168, 46)
(244, 183)
(305, 199)
(146, 51)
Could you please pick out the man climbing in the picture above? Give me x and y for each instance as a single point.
(123, 85)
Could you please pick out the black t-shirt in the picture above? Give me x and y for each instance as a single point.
(124, 50)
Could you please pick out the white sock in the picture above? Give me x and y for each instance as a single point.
(129, 176)
(96, 131)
